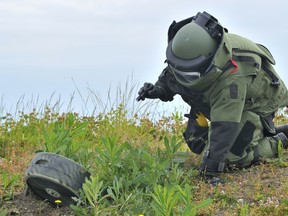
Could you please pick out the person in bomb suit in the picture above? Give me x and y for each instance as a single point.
(229, 80)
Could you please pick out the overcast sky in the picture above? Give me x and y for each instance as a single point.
(61, 46)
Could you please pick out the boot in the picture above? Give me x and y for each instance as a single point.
(281, 136)
(282, 128)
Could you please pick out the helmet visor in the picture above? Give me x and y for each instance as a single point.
(185, 76)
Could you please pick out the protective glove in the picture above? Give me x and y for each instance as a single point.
(195, 136)
(150, 91)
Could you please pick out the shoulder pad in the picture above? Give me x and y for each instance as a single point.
(267, 54)
(245, 45)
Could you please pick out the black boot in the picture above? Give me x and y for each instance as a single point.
(281, 136)
(282, 128)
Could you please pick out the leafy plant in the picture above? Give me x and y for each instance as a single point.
(119, 198)
(62, 139)
(164, 200)
(175, 201)
(92, 192)
(7, 184)
(109, 156)
(3, 212)
(243, 209)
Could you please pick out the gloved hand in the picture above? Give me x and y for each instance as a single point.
(195, 136)
(149, 91)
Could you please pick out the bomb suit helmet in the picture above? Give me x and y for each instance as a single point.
(191, 51)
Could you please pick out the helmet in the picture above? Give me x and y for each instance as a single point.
(191, 50)
(191, 41)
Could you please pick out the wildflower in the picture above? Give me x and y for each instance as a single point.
(58, 201)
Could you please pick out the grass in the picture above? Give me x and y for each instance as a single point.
(138, 161)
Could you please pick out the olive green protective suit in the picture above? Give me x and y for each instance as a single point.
(239, 94)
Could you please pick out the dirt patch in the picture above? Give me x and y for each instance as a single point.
(29, 204)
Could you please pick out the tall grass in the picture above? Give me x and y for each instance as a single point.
(92, 102)
(134, 151)
(130, 142)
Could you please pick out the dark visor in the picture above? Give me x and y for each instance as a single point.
(185, 76)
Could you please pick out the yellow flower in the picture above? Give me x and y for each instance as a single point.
(58, 201)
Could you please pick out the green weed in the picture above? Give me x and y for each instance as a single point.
(7, 186)
(138, 161)
(175, 201)
(3, 212)
(126, 175)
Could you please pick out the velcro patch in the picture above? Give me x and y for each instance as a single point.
(233, 91)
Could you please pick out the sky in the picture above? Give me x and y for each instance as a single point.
(58, 50)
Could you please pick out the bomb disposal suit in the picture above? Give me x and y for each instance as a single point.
(228, 79)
